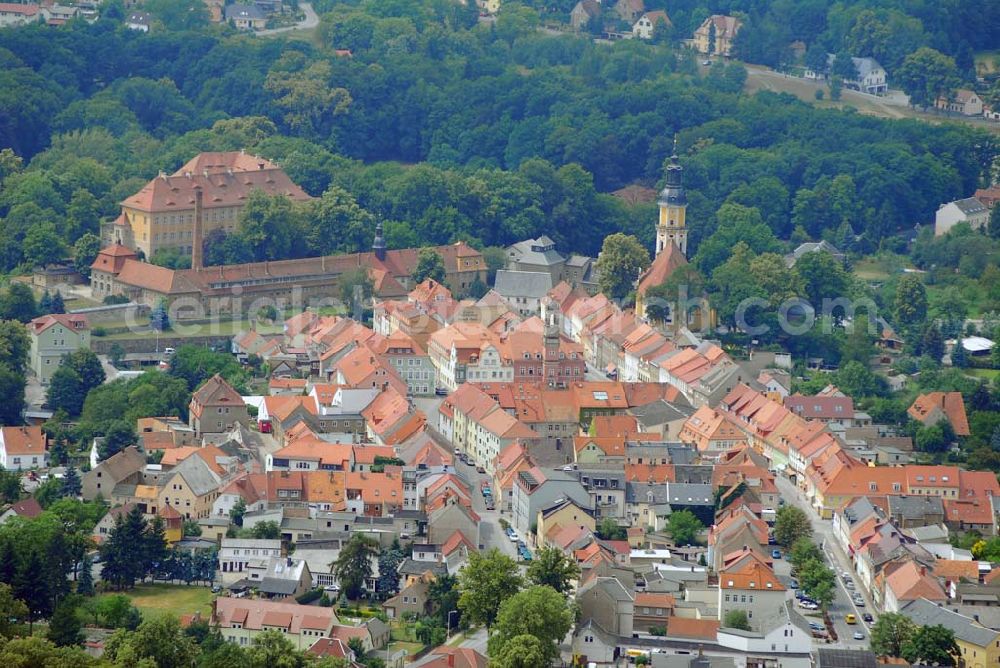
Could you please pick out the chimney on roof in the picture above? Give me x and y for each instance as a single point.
(260, 165)
(451, 659)
(196, 240)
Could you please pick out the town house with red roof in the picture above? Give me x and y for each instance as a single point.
(241, 620)
(23, 448)
(53, 336)
(749, 584)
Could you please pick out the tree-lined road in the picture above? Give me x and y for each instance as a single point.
(823, 536)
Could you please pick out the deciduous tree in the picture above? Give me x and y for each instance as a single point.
(552, 568)
(891, 633)
(538, 611)
(621, 261)
(931, 645)
(488, 579)
(791, 523)
(736, 619)
(353, 566)
(684, 527)
(927, 75)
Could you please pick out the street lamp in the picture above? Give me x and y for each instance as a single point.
(448, 635)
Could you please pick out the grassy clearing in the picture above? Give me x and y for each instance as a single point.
(159, 599)
(987, 62)
(988, 374)
(410, 647)
(182, 330)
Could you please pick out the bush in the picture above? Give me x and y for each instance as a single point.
(309, 596)
(657, 630)
(110, 300)
(819, 94)
(99, 331)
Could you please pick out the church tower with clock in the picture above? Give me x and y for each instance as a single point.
(671, 225)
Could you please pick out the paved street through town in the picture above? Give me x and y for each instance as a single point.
(843, 603)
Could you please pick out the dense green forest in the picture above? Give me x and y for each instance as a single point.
(517, 132)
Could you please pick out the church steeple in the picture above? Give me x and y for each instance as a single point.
(670, 228)
(378, 246)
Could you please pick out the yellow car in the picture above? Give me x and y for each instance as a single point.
(851, 619)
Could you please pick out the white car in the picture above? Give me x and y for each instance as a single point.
(808, 605)
(858, 635)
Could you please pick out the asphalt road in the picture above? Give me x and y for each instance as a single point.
(310, 21)
(843, 603)
(491, 534)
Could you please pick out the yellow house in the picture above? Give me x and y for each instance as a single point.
(190, 488)
(978, 646)
(491, 7)
(563, 513)
(173, 524)
(716, 35)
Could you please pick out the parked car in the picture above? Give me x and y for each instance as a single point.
(216, 589)
(808, 605)
(858, 635)
(776, 554)
(816, 626)
(480, 469)
(849, 584)
(490, 506)
(860, 602)
(867, 616)
(850, 619)
(794, 584)
(441, 392)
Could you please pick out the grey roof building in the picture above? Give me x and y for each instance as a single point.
(912, 511)
(813, 247)
(845, 658)
(523, 289)
(926, 613)
(540, 256)
(244, 12)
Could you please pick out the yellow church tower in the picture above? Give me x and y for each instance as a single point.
(670, 228)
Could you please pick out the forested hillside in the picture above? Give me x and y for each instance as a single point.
(886, 30)
(522, 133)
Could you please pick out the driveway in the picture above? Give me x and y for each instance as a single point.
(310, 21)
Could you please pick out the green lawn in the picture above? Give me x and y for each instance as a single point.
(989, 374)
(226, 327)
(157, 599)
(410, 647)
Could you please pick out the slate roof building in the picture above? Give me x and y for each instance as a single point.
(969, 210)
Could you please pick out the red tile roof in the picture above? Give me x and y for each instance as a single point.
(665, 264)
(23, 440)
(73, 322)
(930, 408)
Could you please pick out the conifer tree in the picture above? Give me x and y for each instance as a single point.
(58, 305)
(65, 629)
(85, 581)
(71, 484)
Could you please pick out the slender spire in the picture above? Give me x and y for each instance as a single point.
(674, 193)
(378, 246)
